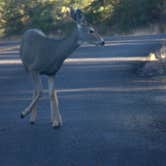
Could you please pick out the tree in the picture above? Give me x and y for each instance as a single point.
(50, 15)
(19, 15)
(133, 14)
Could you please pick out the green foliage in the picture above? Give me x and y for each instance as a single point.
(124, 15)
(10, 17)
(100, 10)
(132, 14)
(19, 15)
(39, 16)
(52, 15)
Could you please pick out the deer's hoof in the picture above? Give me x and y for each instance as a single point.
(56, 125)
(22, 116)
(32, 122)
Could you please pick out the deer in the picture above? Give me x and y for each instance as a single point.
(44, 55)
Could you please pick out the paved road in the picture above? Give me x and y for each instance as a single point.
(112, 116)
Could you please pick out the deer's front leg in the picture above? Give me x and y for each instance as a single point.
(56, 118)
(37, 94)
(34, 110)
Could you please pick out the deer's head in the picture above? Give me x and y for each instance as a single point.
(87, 34)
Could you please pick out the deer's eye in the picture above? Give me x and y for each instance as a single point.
(91, 30)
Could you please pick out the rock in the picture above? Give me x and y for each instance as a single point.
(152, 68)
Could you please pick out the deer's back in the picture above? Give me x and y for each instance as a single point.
(37, 50)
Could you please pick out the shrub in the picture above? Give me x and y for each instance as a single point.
(19, 15)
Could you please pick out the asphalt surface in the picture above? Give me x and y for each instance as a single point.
(112, 116)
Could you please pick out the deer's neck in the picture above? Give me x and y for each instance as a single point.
(69, 45)
(60, 50)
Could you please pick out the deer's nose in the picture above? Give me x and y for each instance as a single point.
(103, 43)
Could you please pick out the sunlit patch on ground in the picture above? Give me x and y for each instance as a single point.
(113, 89)
(9, 48)
(152, 57)
(83, 60)
(108, 110)
(160, 99)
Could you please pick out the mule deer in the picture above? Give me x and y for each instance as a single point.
(43, 55)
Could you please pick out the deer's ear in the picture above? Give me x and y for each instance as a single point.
(80, 18)
(73, 13)
(77, 15)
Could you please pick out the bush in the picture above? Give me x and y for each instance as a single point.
(129, 14)
(19, 15)
(108, 15)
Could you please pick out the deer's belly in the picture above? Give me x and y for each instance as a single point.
(51, 69)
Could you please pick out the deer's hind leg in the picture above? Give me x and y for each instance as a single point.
(56, 118)
(34, 110)
(36, 95)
